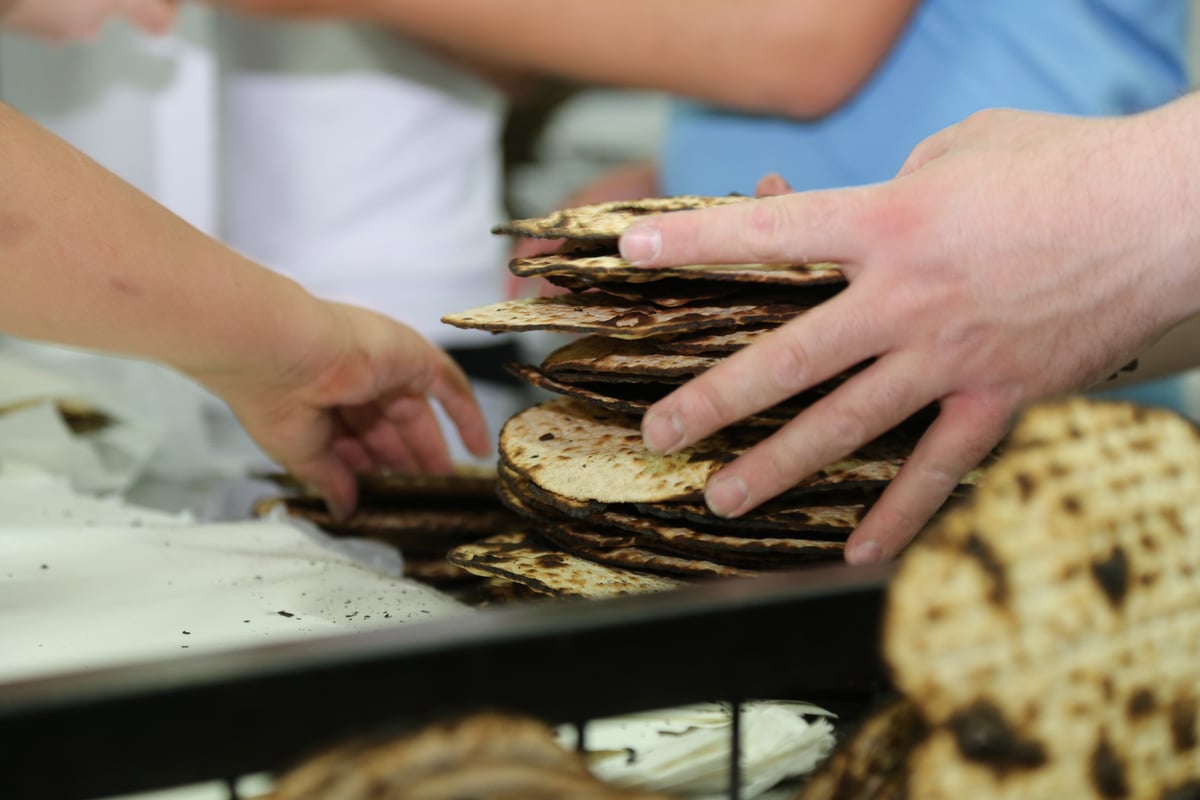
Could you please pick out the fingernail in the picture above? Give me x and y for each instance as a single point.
(641, 244)
(864, 553)
(726, 495)
(662, 431)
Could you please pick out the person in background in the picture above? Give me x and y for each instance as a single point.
(1016, 256)
(326, 389)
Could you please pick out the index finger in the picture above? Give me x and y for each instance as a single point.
(806, 227)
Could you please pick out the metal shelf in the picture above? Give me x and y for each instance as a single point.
(806, 634)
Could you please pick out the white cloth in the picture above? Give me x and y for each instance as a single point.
(365, 167)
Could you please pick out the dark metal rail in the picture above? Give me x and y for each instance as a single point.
(808, 634)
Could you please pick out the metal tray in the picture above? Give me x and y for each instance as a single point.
(809, 634)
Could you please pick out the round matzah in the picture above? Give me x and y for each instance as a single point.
(606, 220)
(578, 451)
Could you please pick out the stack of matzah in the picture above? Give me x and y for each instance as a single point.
(576, 466)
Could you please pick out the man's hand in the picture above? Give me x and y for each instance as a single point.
(354, 399)
(70, 20)
(1016, 256)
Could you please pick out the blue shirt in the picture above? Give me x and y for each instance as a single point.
(955, 57)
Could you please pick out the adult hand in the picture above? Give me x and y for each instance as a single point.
(67, 20)
(353, 399)
(1017, 256)
(632, 181)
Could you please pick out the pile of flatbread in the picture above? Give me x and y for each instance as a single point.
(422, 516)
(576, 467)
(1045, 635)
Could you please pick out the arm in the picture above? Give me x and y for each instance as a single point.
(88, 260)
(60, 20)
(1017, 256)
(800, 58)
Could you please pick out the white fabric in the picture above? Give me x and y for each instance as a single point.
(86, 583)
(364, 167)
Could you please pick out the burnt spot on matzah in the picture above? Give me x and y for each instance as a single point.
(1183, 724)
(1112, 575)
(985, 556)
(983, 735)
(1025, 484)
(1141, 703)
(1185, 791)
(1107, 770)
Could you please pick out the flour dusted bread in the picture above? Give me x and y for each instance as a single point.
(1048, 631)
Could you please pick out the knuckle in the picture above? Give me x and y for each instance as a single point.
(765, 225)
(790, 366)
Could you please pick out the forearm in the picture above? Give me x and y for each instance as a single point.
(89, 261)
(795, 57)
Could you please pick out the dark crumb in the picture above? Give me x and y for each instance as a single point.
(183, 647)
(425, 611)
(187, 633)
(258, 577)
(245, 620)
(287, 614)
(45, 566)
(386, 615)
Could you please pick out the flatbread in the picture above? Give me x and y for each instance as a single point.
(811, 517)
(574, 540)
(605, 220)
(1049, 629)
(417, 530)
(577, 450)
(617, 359)
(635, 397)
(594, 269)
(468, 482)
(519, 557)
(588, 313)
(664, 293)
(712, 343)
(873, 763)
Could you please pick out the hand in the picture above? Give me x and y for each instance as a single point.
(67, 20)
(354, 399)
(631, 181)
(1016, 256)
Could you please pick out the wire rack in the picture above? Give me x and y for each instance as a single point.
(810, 634)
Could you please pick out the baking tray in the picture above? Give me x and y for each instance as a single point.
(809, 634)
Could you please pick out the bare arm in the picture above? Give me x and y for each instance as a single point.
(87, 260)
(800, 58)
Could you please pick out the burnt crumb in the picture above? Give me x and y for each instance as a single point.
(546, 437)
(550, 560)
(287, 614)
(985, 736)
(1112, 575)
(186, 633)
(1107, 770)
(1183, 724)
(1186, 791)
(1141, 703)
(981, 551)
(45, 566)
(1026, 485)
